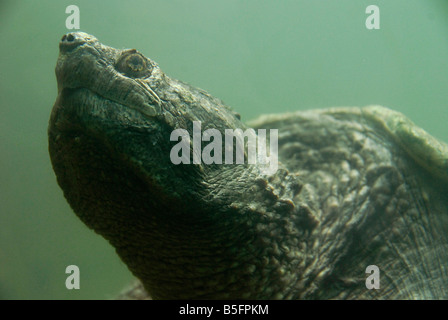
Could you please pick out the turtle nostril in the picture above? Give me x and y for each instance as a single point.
(72, 40)
(70, 37)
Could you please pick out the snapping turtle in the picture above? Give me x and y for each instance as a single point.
(354, 187)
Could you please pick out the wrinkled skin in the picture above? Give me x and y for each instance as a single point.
(346, 195)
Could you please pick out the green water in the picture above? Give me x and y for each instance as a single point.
(258, 56)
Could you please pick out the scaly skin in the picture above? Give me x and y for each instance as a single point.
(345, 196)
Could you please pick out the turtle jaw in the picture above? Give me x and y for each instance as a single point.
(174, 244)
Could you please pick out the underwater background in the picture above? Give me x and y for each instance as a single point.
(258, 56)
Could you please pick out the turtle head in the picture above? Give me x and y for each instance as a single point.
(122, 144)
(121, 76)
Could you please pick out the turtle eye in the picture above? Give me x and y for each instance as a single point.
(133, 65)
